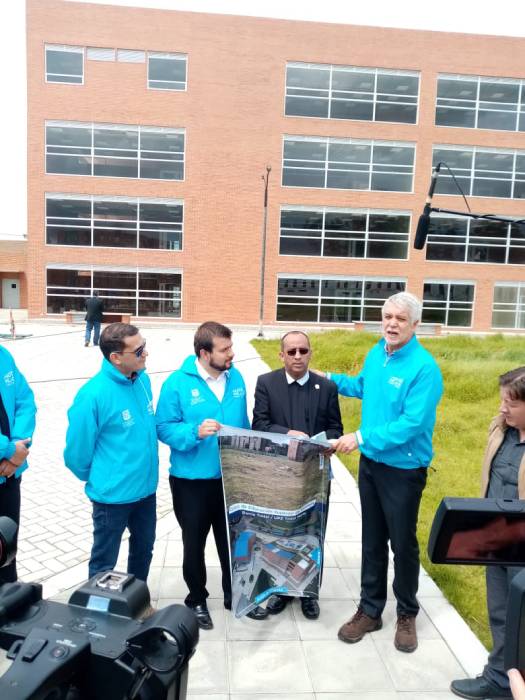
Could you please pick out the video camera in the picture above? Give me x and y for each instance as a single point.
(488, 531)
(96, 647)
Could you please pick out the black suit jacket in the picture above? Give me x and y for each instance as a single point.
(94, 309)
(271, 413)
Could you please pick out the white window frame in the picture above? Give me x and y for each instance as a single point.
(66, 49)
(447, 305)
(374, 73)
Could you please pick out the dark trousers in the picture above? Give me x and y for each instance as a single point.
(10, 507)
(498, 586)
(199, 506)
(95, 327)
(390, 500)
(109, 522)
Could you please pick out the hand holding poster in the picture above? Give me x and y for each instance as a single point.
(275, 489)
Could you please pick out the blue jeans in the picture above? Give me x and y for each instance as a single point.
(109, 522)
(92, 326)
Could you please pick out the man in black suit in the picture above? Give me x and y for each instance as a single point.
(94, 311)
(290, 401)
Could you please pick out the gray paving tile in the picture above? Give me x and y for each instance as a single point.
(273, 696)
(347, 554)
(268, 667)
(334, 585)
(273, 628)
(431, 667)
(208, 668)
(337, 667)
(333, 614)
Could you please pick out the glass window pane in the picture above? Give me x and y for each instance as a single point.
(344, 221)
(68, 235)
(299, 246)
(294, 177)
(406, 114)
(391, 182)
(116, 138)
(60, 64)
(491, 188)
(344, 248)
(165, 142)
(353, 81)
(458, 89)
(68, 165)
(305, 150)
(161, 170)
(499, 92)
(115, 167)
(306, 107)
(68, 136)
(166, 69)
(346, 180)
(397, 250)
(301, 219)
(397, 84)
(307, 77)
(504, 121)
(287, 312)
(351, 109)
(298, 287)
(451, 116)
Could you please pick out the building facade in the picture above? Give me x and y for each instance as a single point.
(149, 133)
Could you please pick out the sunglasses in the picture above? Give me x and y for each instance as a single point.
(301, 351)
(138, 352)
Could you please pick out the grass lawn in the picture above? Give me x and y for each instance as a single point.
(470, 368)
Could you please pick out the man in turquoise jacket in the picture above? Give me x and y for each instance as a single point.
(17, 423)
(111, 444)
(204, 393)
(400, 386)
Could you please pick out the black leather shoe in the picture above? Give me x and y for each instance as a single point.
(258, 613)
(478, 689)
(276, 604)
(310, 608)
(227, 604)
(203, 616)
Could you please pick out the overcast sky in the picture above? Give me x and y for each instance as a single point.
(505, 17)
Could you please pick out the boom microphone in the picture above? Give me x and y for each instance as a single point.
(424, 220)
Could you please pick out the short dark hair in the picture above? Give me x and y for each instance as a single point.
(297, 332)
(112, 337)
(206, 332)
(514, 383)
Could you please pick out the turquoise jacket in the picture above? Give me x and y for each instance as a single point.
(400, 393)
(111, 442)
(19, 404)
(185, 401)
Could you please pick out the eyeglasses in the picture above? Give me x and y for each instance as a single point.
(301, 351)
(138, 352)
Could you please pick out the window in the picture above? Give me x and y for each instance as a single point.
(449, 303)
(120, 222)
(348, 92)
(115, 150)
(64, 64)
(476, 102)
(167, 71)
(320, 299)
(139, 292)
(481, 172)
(476, 241)
(508, 309)
(344, 233)
(348, 164)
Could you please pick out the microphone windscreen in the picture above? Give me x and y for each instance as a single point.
(422, 231)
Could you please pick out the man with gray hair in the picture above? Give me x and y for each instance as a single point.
(400, 386)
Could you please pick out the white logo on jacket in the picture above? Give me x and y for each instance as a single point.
(127, 418)
(238, 392)
(9, 378)
(396, 381)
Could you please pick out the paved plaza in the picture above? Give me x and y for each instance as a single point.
(286, 656)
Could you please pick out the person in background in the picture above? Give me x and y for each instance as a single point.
(400, 386)
(94, 312)
(205, 392)
(292, 401)
(111, 444)
(502, 476)
(17, 424)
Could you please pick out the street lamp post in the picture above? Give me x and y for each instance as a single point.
(265, 179)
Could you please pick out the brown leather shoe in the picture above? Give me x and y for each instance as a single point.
(355, 629)
(406, 637)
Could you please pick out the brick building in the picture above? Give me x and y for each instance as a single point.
(149, 132)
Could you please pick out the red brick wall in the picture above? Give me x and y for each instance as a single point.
(233, 116)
